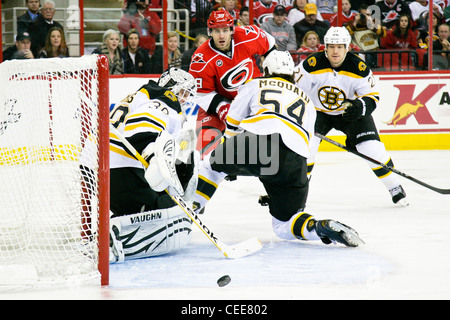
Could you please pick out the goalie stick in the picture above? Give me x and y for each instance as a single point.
(404, 175)
(238, 250)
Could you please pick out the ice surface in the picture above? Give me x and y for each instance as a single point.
(406, 256)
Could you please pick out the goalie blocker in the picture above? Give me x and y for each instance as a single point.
(166, 171)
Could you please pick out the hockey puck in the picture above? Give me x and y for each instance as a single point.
(223, 281)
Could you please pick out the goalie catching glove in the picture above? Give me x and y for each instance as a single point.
(166, 171)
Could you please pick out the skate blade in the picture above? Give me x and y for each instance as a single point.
(350, 236)
(403, 202)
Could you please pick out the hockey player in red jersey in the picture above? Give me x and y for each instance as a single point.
(219, 67)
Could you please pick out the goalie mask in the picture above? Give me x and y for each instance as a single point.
(278, 62)
(181, 83)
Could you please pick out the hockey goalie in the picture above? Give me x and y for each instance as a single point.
(145, 221)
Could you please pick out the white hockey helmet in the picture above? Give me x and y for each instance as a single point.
(181, 83)
(338, 35)
(278, 62)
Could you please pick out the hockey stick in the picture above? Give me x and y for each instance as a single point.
(404, 175)
(238, 250)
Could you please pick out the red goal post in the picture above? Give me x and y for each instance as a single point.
(54, 171)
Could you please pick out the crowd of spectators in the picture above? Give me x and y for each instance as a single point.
(297, 25)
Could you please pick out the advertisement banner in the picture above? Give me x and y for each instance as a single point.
(413, 113)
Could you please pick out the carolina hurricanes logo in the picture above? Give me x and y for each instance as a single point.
(238, 75)
(198, 58)
(264, 17)
(390, 16)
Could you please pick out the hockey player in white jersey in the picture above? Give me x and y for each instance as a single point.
(269, 127)
(145, 221)
(344, 92)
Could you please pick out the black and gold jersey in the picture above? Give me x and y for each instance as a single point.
(141, 117)
(328, 87)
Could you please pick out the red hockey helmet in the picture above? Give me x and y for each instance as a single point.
(220, 19)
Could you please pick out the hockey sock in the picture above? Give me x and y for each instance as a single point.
(310, 168)
(300, 226)
(314, 147)
(376, 150)
(303, 227)
(208, 181)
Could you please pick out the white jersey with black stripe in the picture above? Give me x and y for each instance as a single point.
(328, 87)
(265, 106)
(146, 121)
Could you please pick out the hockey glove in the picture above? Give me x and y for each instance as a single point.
(354, 110)
(222, 111)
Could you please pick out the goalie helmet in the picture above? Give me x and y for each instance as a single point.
(338, 35)
(278, 62)
(181, 83)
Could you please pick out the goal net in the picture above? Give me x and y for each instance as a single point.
(54, 171)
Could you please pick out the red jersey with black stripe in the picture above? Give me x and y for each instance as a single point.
(224, 72)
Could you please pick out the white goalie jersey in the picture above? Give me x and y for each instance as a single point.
(265, 106)
(141, 119)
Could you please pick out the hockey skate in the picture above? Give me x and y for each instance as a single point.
(331, 231)
(398, 195)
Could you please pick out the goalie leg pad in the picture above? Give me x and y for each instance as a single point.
(153, 233)
(116, 254)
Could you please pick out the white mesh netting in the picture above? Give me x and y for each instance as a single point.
(48, 179)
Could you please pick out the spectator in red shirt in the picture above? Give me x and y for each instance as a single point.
(310, 43)
(401, 36)
(347, 14)
(138, 16)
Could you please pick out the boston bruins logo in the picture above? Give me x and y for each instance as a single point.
(331, 97)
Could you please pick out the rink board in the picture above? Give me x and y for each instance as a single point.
(413, 113)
